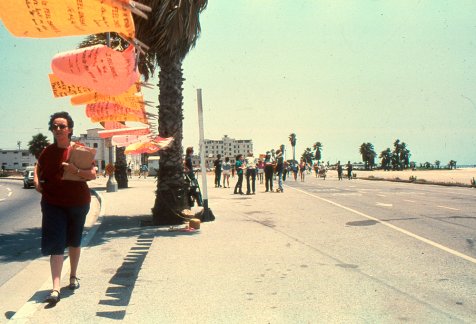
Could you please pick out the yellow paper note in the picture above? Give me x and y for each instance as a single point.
(58, 18)
(61, 89)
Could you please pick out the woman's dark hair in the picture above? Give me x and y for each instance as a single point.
(65, 115)
(239, 156)
(188, 150)
(227, 159)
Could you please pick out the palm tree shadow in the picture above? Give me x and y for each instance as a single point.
(25, 245)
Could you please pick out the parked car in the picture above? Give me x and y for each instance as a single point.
(28, 179)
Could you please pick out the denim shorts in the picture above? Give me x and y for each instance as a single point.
(61, 227)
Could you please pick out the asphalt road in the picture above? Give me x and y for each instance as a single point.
(20, 223)
(442, 214)
(412, 246)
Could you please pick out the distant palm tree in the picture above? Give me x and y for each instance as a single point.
(292, 140)
(368, 155)
(317, 151)
(437, 164)
(404, 156)
(37, 144)
(452, 164)
(386, 159)
(307, 155)
(171, 32)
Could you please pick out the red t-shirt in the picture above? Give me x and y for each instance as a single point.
(59, 192)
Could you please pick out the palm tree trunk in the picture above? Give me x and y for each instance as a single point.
(170, 195)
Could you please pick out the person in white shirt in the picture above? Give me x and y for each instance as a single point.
(226, 167)
(250, 173)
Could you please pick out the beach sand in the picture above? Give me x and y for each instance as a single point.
(461, 176)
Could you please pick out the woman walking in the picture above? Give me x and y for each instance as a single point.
(64, 203)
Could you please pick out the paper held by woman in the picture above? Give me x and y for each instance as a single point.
(82, 157)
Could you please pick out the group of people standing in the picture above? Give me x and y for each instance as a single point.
(340, 170)
(251, 168)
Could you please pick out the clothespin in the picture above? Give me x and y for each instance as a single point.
(134, 7)
(139, 46)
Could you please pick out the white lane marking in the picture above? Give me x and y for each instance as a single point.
(446, 207)
(407, 200)
(2, 199)
(383, 205)
(401, 230)
(380, 195)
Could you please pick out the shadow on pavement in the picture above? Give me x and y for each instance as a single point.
(20, 246)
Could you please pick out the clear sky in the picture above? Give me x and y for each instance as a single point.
(338, 72)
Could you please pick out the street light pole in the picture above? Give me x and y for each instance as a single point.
(207, 214)
(111, 185)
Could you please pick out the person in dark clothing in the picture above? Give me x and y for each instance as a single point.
(349, 170)
(268, 171)
(339, 170)
(218, 164)
(239, 172)
(188, 166)
(64, 203)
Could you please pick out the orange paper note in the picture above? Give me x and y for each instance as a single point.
(107, 111)
(98, 67)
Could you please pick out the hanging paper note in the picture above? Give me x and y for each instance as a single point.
(140, 130)
(152, 146)
(130, 99)
(62, 89)
(124, 140)
(57, 18)
(98, 67)
(107, 111)
(112, 125)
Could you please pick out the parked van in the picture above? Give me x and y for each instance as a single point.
(28, 176)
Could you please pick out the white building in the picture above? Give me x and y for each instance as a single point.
(16, 159)
(226, 147)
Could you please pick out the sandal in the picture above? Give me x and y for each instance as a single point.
(54, 297)
(73, 283)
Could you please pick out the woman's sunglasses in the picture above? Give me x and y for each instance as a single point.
(56, 127)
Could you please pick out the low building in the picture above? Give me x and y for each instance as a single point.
(16, 159)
